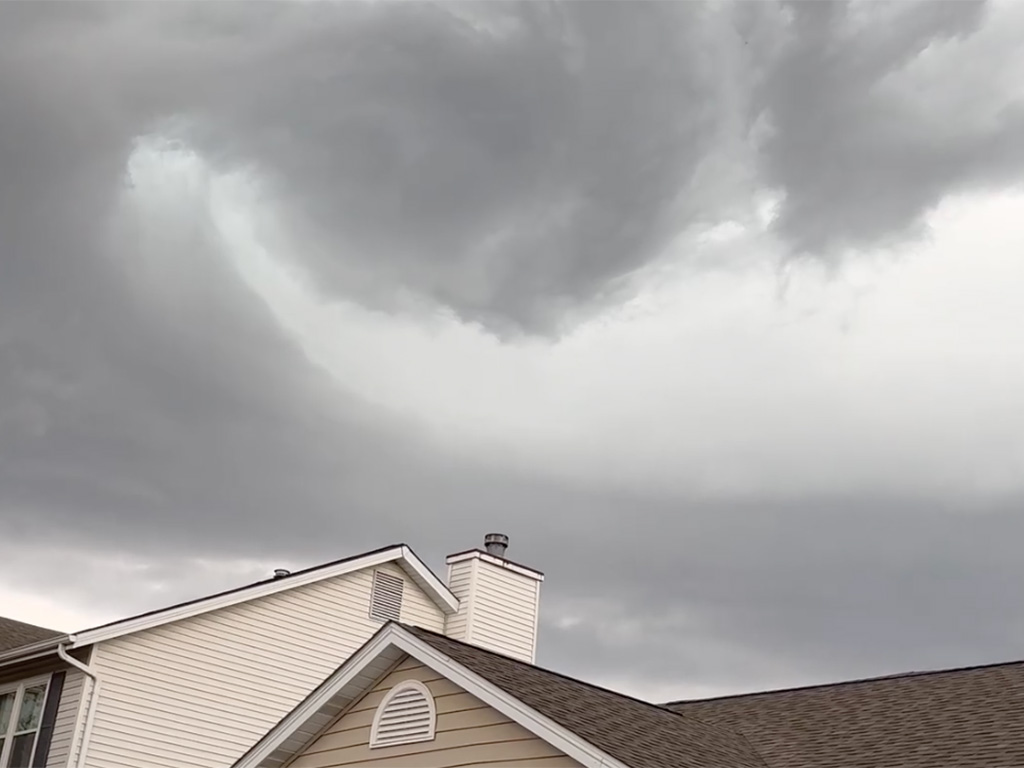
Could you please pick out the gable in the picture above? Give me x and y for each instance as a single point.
(230, 674)
(467, 731)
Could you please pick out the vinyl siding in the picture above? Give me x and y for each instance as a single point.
(505, 607)
(468, 733)
(199, 692)
(498, 608)
(460, 579)
(67, 716)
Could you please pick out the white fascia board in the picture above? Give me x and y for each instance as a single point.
(540, 726)
(497, 561)
(432, 585)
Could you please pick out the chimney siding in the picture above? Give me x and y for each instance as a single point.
(498, 604)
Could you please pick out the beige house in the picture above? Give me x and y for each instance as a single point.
(197, 684)
(373, 661)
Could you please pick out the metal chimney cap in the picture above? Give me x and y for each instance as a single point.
(496, 544)
(280, 573)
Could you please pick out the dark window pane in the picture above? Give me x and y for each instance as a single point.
(21, 751)
(31, 708)
(6, 704)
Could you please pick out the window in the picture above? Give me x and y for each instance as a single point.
(21, 713)
(386, 597)
(405, 716)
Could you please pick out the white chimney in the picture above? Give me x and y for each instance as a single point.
(499, 601)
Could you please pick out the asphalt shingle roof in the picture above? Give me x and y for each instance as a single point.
(639, 734)
(960, 718)
(14, 634)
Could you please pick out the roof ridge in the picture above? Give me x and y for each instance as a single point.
(841, 683)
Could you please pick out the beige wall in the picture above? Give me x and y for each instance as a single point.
(197, 693)
(469, 733)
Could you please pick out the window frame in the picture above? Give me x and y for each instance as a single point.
(9, 732)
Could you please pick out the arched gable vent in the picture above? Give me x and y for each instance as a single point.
(406, 715)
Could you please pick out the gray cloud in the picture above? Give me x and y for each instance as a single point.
(860, 155)
(511, 162)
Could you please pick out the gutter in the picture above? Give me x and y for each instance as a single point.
(90, 716)
(34, 651)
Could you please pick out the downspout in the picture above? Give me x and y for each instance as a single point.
(90, 714)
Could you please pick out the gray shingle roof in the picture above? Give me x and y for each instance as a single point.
(958, 718)
(639, 734)
(14, 634)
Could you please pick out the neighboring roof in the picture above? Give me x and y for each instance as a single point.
(14, 634)
(400, 554)
(594, 726)
(959, 718)
(639, 734)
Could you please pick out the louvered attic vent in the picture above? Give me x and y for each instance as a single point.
(405, 716)
(386, 597)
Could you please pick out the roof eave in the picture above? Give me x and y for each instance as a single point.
(33, 650)
(364, 668)
(401, 553)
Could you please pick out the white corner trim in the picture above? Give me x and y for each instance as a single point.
(540, 726)
(476, 554)
(439, 592)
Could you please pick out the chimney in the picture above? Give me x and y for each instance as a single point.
(499, 601)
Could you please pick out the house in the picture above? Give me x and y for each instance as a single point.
(444, 677)
(196, 684)
(415, 698)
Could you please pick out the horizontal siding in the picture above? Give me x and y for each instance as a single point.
(67, 717)
(201, 691)
(468, 733)
(498, 608)
(460, 580)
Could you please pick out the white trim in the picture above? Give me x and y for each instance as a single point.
(382, 708)
(478, 555)
(18, 688)
(395, 636)
(94, 691)
(34, 651)
(405, 557)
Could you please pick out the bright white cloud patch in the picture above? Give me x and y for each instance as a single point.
(891, 371)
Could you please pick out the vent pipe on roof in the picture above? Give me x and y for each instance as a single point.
(280, 573)
(496, 544)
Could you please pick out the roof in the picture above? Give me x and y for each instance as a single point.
(639, 734)
(14, 634)
(971, 717)
(595, 727)
(401, 554)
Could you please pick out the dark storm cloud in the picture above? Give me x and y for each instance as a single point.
(510, 161)
(860, 161)
(789, 592)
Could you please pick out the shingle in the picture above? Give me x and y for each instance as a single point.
(960, 718)
(639, 734)
(14, 634)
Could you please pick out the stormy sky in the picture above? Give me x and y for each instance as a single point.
(713, 308)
